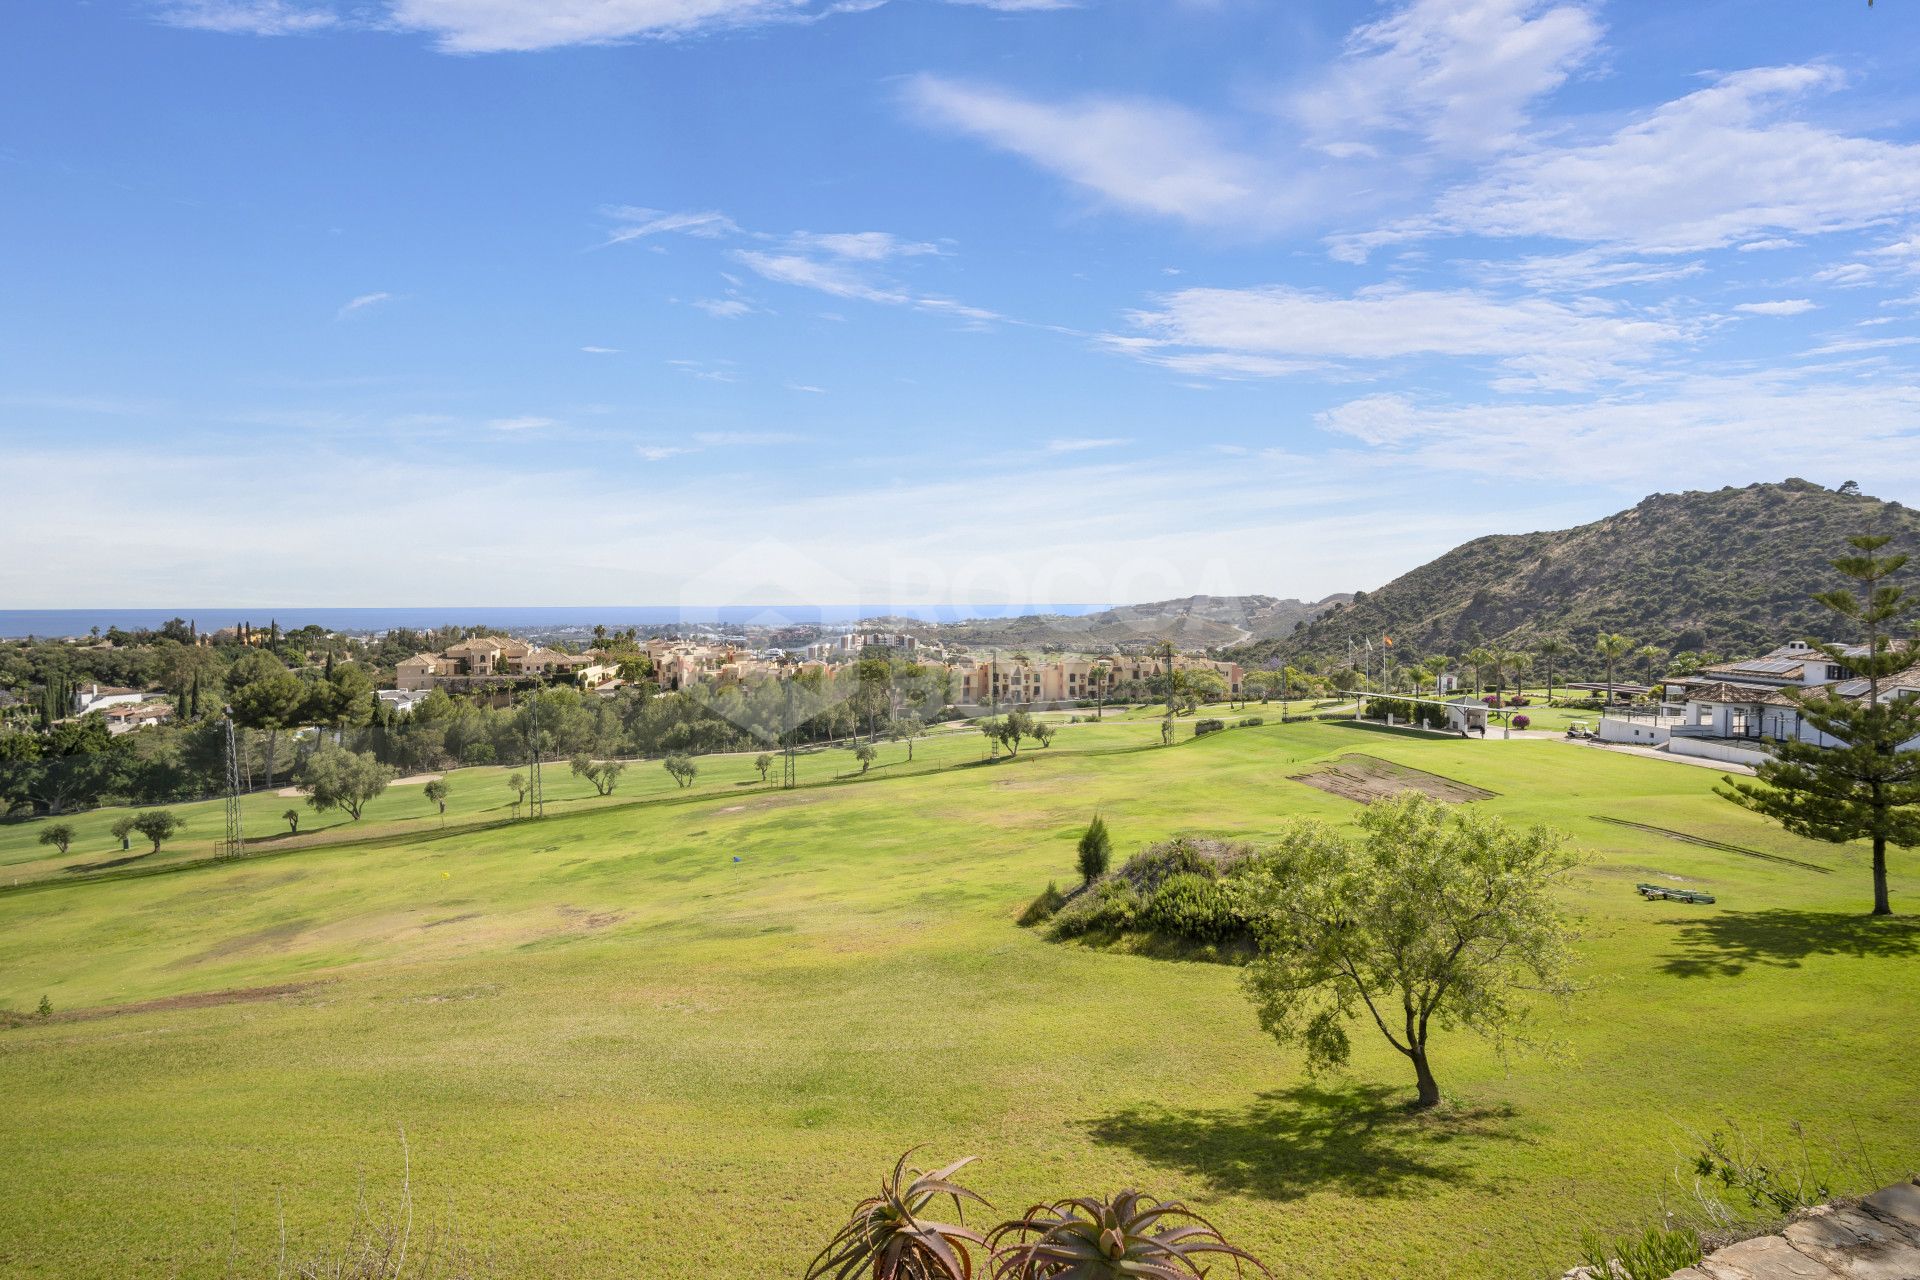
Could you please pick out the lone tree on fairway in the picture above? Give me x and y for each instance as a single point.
(1434, 916)
(682, 768)
(122, 828)
(436, 793)
(1612, 649)
(336, 778)
(865, 754)
(603, 774)
(763, 762)
(517, 784)
(59, 835)
(1096, 850)
(1867, 788)
(292, 818)
(159, 826)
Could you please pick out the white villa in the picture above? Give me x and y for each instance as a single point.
(1729, 711)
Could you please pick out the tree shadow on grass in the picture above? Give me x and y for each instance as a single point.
(1726, 943)
(1359, 1139)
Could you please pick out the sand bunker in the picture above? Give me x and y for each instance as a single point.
(1368, 778)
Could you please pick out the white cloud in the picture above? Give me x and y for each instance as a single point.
(861, 246)
(361, 303)
(724, 308)
(1844, 345)
(601, 351)
(526, 422)
(1718, 429)
(1535, 340)
(1848, 275)
(1081, 444)
(1460, 73)
(248, 17)
(806, 387)
(1716, 167)
(496, 26)
(1783, 307)
(811, 273)
(1144, 155)
(661, 452)
(1760, 246)
(638, 223)
(1588, 269)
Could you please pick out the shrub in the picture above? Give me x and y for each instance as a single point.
(1201, 728)
(57, 834)
(1108, 907)
(1194, 907)
(1522, 720)
(1198, 854)
(1248, 722)
(1043, 907)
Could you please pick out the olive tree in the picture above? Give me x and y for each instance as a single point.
(57, 834)
(159, 826)
(682, 768)
(1433, 917)
(336, 778)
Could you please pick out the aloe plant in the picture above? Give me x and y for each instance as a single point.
(889, 1239)
(1132, 1236)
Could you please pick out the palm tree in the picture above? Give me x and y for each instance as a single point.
(1612, 648)
(1552, 649)
(1519, 661)
(1651, 655)
(1435, 665)
(1479, 658)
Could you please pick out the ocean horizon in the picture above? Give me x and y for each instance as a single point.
(54, 623)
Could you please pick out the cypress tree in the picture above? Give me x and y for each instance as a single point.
(1867, 788)
(1096, 850)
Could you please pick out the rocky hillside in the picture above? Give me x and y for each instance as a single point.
(1192, 623)
(1729, 571)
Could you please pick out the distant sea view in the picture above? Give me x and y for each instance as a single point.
(15, 623)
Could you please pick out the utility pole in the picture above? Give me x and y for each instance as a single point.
(235, 844)
(993, 703)
(536, 806)
(787, 761)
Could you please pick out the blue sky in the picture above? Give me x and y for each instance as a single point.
(711, 301)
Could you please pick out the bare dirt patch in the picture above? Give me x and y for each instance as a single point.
(274, 937)
(197, 1000)
(592, 919)
(1365, 778)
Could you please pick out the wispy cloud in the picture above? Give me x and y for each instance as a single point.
(1782, 307)
(361, 303)
(248, 17)
(1460, 74)
(527, 422)
(636, 223)
(1723, 165)
(1081, 444)
(724, 308)
(601, 351)
(1278, 329)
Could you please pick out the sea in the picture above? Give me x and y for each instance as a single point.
(54, 623)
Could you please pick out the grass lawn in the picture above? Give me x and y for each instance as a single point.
(677, 1035)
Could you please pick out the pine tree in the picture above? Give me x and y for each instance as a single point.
(1867, 788)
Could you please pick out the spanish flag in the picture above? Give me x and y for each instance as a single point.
(1386, 640)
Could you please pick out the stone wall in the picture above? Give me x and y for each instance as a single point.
(1877, 1239)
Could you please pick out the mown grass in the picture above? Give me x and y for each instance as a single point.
(677, 1039)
